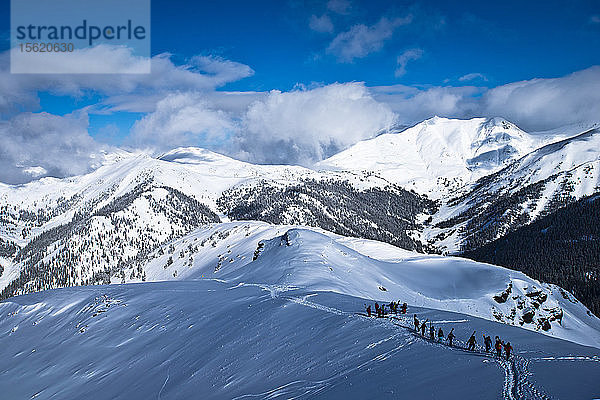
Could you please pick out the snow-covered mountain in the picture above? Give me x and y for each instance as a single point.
(540, 182)
(284, 257)
(60, 232)
(284, 326)
(439, 155)
(246, 279)
(483, 174)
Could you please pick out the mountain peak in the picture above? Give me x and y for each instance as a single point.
(194, 155)
(438, 151)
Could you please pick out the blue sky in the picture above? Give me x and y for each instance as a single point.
(224, 73)
(506, 41)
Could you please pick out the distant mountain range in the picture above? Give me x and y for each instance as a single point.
(442, 186)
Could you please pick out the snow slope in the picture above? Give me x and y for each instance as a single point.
(225, 340)
(438, 155)
(312, 259)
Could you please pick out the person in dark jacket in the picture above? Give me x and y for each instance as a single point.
(431, 332)
(471, 342)
(423, 327)
(488, 342)
(498, 346)
(416, 322)
(369, 310)
(507, 349)
(404, 307)
(451, 336)
(440, 335)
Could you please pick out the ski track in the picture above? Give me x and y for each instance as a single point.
(516, 384)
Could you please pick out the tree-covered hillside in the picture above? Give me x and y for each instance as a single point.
(561, 248)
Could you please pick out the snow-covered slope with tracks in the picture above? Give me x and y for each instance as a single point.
(287, 257)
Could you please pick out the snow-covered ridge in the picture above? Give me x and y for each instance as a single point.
(317, 260)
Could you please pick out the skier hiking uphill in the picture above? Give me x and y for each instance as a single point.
(498, 346)
(423, 327)
(440, 335)
(507, 349)
(488, 343)
(471, 342)
(431, 332)
(416, 322)
(451, 337)
(369, 310)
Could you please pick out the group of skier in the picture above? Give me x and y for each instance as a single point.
(380, 310)
(395, 307)
(499, 345)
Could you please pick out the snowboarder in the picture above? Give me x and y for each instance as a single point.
(431, 332)
(423, 327)
(416, 321)
(451, 337)
(507, 349)
(369, 311)
(404, 307)
(471, 342)
(440, 335)
(488, 343)
(498, 346)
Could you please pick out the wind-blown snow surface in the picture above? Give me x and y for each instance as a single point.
(231, 340)
(313, 259)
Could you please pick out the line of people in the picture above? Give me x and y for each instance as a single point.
(499, 345)
(380, 310)
(395, 308)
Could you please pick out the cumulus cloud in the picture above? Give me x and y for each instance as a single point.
(18, 91)
(183, 119)
(299, 127)
(595, 19)
(472, 77)
(404, 58)
(414, 104)
(42, 144)
(321, 24)
(303, 126)
(362, 40)
(535, 104)
(539, 104)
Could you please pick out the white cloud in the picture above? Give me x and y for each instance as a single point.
(361, 40)
(339, 6)
(19, 91)
(414, 104)
(404, 58)
(473, 76)
(184, 119)
(595, 19)
(535, 104)
(321, 24)
(538, 104)
(303, 126)
(42, 144)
